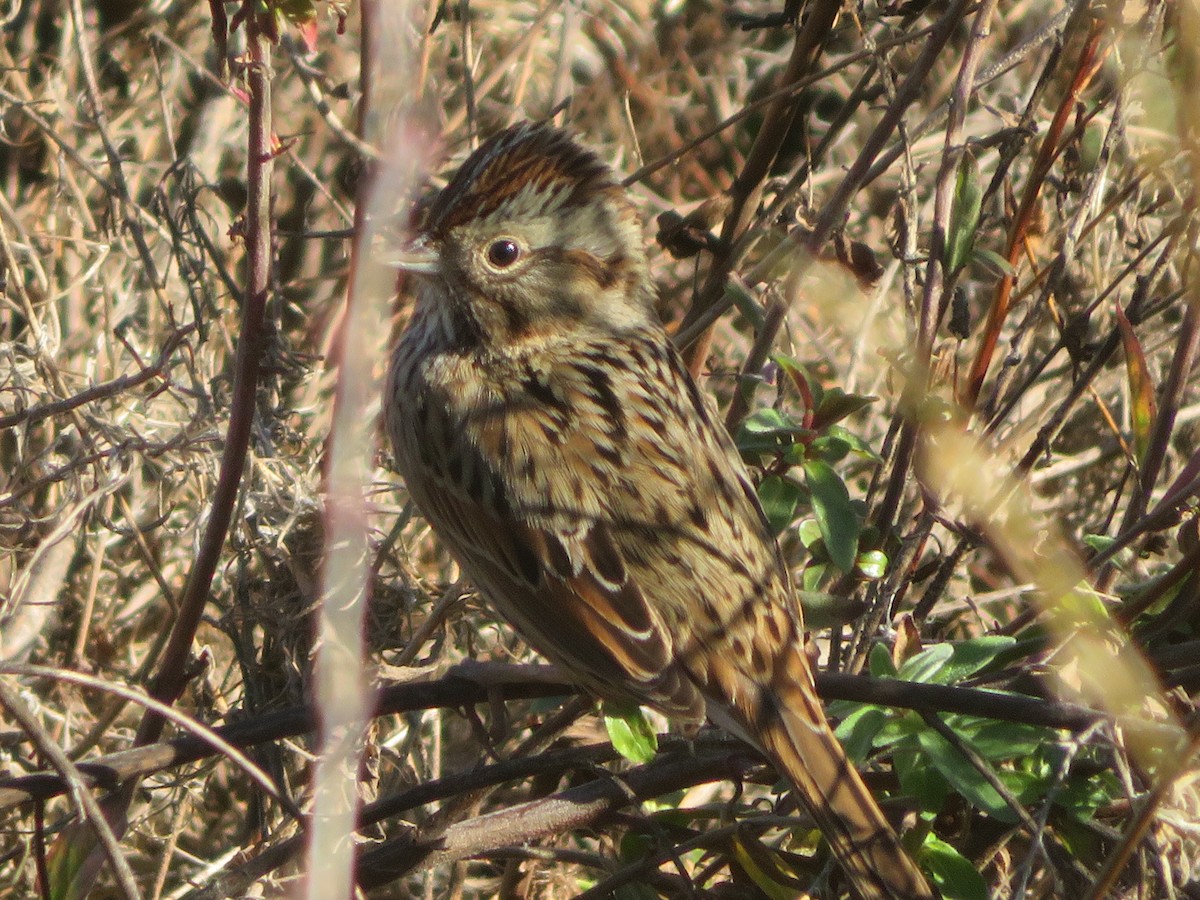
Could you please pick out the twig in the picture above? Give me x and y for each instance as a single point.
(1174, 766)
(169, 680)
(202, 732)
(84, 802)
(810, 40)
(528, 682)
(569, 809)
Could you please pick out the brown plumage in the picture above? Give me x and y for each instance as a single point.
(551, 435)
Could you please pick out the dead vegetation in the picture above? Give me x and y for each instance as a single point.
(981, 215)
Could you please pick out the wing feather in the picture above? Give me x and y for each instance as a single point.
(569, 593)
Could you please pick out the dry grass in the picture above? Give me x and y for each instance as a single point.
(123, 237)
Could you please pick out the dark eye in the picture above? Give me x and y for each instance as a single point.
(503, 253)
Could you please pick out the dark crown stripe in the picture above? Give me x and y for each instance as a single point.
(523, 156)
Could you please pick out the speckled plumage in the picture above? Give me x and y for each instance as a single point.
(550, 433)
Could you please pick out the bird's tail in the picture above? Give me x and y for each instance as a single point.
(791, 725)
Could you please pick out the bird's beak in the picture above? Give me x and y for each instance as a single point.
(418, 256)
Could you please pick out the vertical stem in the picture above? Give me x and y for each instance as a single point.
(342, 683)
(170, 679)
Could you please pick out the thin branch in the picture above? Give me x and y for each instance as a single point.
(84, 802)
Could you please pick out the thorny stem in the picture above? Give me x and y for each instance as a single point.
(169, 680)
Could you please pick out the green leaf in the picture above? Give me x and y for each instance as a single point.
(809, 533)
(747, 304)
(969, 657)
(858, 730)
(919, 779)
(880, 662)
(836, 404)
(779, 498)
(964, 215)
(630, 731)
(872, 564)
(964, 777)
(1098, 542)
(1001, 741)
(829, 448)
(767, 420)
(65, 862)
(857, 444)
(768, 430)
(926, 664)
(1081, 797)
(813, 576)
(953, 874)
(805, 384)
(995, 262)
(834, 514)
(824, 610)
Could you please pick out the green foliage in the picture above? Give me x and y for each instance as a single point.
(630, 731)
(834, 513)
(964, 215)
(953, 874)
(1025, 759)
(814, 442)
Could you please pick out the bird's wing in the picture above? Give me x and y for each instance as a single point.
(562, 582)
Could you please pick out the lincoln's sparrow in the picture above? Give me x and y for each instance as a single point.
(549, 432)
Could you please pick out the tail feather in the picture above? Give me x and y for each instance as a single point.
(791, 726)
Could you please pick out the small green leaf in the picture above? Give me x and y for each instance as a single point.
(1081, 797)
(872, 564)
(964, 777)
(630, 732)
(767, 420)
(813, 576)
(836, 404)
(823, 610)
(953, 874)
(1001, 741)
(995, 262)
(809, 387)
(857, 444)
(747, 304)
(919, 779)
(1098, 542)
(880, 662)
(858, 730)
(969, 657)
(834, 514)
(779, 498)
(768, 430)
(66, 859)
(926, 664)
(964, 215)
(1091, 144)
(829, 448)
(809, 533)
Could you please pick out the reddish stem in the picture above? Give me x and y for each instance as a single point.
(170, 678)
(1088, 65)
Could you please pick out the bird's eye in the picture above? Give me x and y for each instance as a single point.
(503, 253)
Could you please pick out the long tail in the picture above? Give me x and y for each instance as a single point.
(790, 725)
